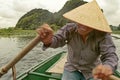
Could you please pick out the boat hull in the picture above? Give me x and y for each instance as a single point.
(39, 72)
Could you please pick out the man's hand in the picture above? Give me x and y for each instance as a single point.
(46, 34)
(102, 72)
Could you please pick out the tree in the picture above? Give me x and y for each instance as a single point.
(118, 27)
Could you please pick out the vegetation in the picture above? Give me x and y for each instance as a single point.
(34, 19)
(116, 32)
(115, 28)
(16, 32)
(20, 32)
(11, 31)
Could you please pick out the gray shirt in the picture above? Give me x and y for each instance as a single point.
(99, 48)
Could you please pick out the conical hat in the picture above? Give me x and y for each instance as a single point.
(89, 15)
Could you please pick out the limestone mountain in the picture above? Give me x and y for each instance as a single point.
(36, 17)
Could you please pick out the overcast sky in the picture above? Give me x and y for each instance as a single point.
(12, 10)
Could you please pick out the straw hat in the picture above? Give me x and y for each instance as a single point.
(89, 15)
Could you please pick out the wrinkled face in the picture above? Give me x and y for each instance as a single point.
(84, 30)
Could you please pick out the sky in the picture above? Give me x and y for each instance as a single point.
(12, 10)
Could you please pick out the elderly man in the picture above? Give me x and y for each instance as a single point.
(91, 51)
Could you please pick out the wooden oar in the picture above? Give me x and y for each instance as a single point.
(20, 55)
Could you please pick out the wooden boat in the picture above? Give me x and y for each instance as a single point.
(42, 70)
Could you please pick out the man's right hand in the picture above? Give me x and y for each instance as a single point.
(46, 34)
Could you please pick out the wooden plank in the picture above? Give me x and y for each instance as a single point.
(59, 66)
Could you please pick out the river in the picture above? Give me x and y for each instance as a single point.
(11, 46)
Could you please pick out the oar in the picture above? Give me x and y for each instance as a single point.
(20, 55)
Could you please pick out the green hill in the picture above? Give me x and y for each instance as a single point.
(36, 17)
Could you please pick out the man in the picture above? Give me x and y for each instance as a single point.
(91, 51)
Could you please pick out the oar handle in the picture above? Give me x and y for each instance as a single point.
(112, 77)
(20, 55)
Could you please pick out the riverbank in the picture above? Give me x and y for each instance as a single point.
(17, 32)
(116, 32)
(20, 32)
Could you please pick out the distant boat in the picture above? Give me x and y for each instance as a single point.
(46, 70)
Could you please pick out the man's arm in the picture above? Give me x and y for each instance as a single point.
(108, 52)
(57, 40)
(108, 57)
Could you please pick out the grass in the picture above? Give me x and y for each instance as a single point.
(17, 32)
(116, 32)
(20, 32)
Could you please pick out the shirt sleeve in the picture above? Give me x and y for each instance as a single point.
(107, 51)
(62, 36)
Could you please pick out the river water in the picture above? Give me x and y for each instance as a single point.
(11, 46)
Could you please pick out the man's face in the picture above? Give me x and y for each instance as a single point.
(84, 30)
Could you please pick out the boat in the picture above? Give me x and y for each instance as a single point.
(41, 70)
